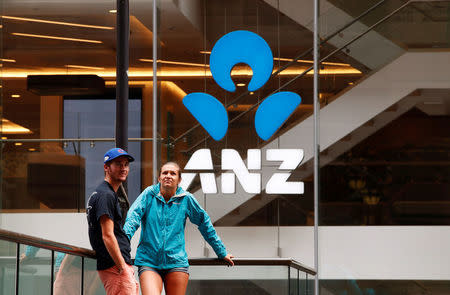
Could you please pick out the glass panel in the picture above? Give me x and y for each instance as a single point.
(87, 117)
(8, 258)
(310, 287)
(375, 170)
(302, 278)
(294, 287)
(35, 270)
(201, 27)
(40, 40)
(67, 279)
(92, 283)
(385, 287)
(238, 280)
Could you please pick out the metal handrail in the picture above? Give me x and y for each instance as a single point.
(86, 253)
(45, 244)
(303, 73)
(254, 261)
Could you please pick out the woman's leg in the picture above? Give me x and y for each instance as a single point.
(175, 283)
(151, 283)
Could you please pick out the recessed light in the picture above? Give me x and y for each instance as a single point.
(56, 38)
(84, 67)
(56, 23)
(240, 84)
(175, 62)
(18, 143)
(113, 11)
(15, 95)
(251, 93)
(32, 149)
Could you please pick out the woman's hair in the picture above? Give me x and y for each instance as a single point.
(171, 163)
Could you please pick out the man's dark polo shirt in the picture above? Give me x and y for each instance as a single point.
(104, 201)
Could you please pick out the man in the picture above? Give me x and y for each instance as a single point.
(106, 213)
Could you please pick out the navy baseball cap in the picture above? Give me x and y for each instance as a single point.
(116, 152)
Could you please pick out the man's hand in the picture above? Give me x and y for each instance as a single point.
(229, 259)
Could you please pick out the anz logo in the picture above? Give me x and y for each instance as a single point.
(249, 48)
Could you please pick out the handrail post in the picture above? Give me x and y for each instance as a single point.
(17, 267)
(52, 271)
(82, 275)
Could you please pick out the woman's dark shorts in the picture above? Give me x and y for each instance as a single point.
(162, 272)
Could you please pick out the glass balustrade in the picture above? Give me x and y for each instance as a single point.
(29, 265)
(249, 276)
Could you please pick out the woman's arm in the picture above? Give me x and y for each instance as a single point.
(198, 216)
(137, 212)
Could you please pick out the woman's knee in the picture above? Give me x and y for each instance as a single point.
(151, 283)
(175, 283)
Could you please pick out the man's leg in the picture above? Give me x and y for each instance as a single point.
(116, 283)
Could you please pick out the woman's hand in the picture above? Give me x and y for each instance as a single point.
(229, 259)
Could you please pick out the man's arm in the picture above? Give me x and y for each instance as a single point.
(111, 242)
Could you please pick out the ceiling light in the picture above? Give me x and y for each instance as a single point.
(350, 83)
(84, 67)
(56, 23)
(299, 60)
(240, 84)
(8, 127)
(113, 11)
(15, 95)
(7, 60)
(56, 38)
(4, 137)
(32, 149)
(18, 143)
(175, 62)
(251, 93)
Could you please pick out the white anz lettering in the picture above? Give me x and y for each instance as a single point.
(290, 159)
(231, 161)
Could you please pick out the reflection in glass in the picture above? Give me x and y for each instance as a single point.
(8, 260)
(238, 280)
(67, 279)
(35, 270)
(92, 283)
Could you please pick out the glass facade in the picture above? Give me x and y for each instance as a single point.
(383, 120)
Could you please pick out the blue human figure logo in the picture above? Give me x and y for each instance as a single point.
(231, 49)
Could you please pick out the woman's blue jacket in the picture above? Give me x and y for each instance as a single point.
(161, 245)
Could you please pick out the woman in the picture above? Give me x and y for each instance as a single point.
(162, 210)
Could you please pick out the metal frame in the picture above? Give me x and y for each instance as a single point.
(316, 147)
